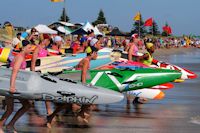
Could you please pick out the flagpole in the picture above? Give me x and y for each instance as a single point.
(139, 29)
(65, 11)
(152, 27)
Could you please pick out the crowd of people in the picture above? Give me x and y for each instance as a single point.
(37, 44)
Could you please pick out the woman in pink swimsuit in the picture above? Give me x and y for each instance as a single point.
(17, 64)
(41, 51)
(133, 50)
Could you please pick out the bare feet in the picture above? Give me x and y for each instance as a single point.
(49, 125)
(84, 119)
(49, 120)
(11, 128)
(1, 124)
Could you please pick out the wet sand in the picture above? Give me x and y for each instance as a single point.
(178, 112)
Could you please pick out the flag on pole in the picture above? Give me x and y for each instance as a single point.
(167, 29)
(149, 22)
(137, 17)
(57, 0)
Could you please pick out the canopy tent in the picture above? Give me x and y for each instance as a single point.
(116, 32)
(87, 26)
(43, 29)
(66, 24)
(64, 30)
(96, 31)
(79, 31)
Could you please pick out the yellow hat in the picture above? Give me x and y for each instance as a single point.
(88, 50)
(91, 49)
(149, 45)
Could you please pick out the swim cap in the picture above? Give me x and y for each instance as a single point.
(91, 49)
(24, 35)
(134, 36)
(83, 39)
(57, 39)
(25, 43)
(149, 45)
(93, 41)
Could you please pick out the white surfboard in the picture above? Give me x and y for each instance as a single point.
(154, 94)
(31, 85)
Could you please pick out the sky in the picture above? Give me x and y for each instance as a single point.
(181, 15)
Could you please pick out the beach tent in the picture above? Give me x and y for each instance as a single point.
(116, 32)
(66, 24)
(79, 31)
(64, 30)
(43, 29)
(96, 31)
(87, 26)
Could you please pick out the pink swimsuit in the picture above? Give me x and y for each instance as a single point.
(23, 65)
(42, 52)
(135, 49)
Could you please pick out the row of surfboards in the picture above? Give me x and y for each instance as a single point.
(116, 77)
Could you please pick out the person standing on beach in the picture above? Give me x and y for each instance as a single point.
(83, 65)
(17, 64)
(16, 42)
(90, 35)
(58, 41)
(147, 58)
(41, 51)
(34, 36)
(133, 49)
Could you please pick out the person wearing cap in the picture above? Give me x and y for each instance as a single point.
(17, 64)
(83, 65)
(83, 44)
(16, 43)
(58, 41)
(147, 58)
(41, 51)
(90, 35)
(34, 36)
(75, 46)
(132, 49)
(95, 43)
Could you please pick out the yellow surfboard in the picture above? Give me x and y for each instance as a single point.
(4, 54)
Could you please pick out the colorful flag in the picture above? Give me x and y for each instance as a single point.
(57, 0)
(149, 22)
(167, 29)
(137, 17)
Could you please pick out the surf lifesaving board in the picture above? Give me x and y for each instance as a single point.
(153, 94)
(31, 85)
(59, 63)
(4, 54)
(186, 74)
(126, 80)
